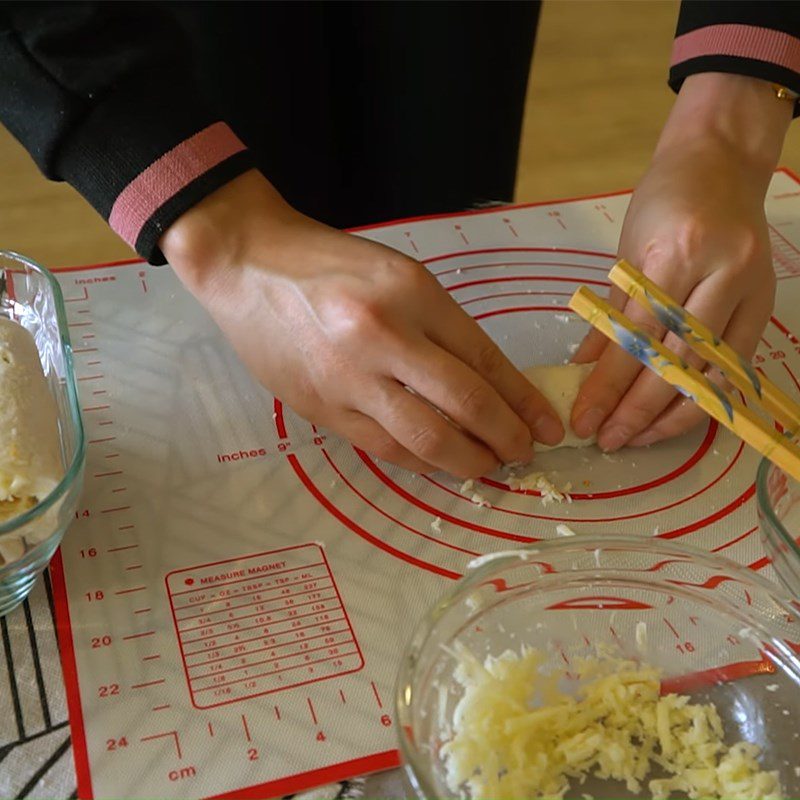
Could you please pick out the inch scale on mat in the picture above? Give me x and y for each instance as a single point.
(270, 625)
(237, 588)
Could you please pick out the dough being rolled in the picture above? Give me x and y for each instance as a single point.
(560, 384)
(30, 460)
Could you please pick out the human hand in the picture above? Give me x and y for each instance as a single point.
(341, 328)
(696, 227)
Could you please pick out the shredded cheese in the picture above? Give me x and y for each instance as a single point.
(517, 735)
(544, 484)
(641, 636)
(474, 497)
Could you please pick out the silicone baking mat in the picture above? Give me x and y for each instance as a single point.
(238, 586)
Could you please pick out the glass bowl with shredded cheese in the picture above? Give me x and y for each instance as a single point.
(778, 498)
(604, 667)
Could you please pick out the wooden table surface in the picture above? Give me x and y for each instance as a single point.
(596, 102)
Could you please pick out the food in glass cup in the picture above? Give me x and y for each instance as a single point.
(42, 449)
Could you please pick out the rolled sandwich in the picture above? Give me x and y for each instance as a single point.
(560, 385)
(30, 460)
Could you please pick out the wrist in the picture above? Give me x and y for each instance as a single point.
(741, 115)
(209, 239)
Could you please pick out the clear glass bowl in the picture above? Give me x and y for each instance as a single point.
(778, 500)
(31, 296)
(716, 631)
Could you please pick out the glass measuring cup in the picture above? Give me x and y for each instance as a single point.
(778, 497)
(31, 296)
(716, 631)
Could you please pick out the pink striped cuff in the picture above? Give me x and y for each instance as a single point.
(742, 41)
(164, 178)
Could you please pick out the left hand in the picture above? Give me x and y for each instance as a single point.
(696, 227)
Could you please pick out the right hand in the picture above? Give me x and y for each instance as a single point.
(341, 328)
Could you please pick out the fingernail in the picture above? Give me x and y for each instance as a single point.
(588, 422)
(613, 438)
(548, 429)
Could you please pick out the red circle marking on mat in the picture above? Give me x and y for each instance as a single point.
(518, 309)
(542, 517)
(339, 514)
(548, 250)
(516, 294)
(701, 451)
(517, 278)
(309, 483)
(280, 423)
(388, 516)
(624, 518)
(784, 330)
(704, 447)
(366, 535)
(470, 267)
(676, 533)
(363, 533)
(791, 374)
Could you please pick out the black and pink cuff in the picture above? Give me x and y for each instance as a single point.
(142, 170)
(173, 183)
(765, 53)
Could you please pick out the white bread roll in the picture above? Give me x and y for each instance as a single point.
(560, 385)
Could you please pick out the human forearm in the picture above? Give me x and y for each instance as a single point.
(735, 112)
(340, 327)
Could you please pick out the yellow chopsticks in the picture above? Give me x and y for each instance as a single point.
(727, 410)
(736, 369)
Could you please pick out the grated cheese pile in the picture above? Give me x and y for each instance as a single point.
(517, 735)
(543, 483)
(475, 497)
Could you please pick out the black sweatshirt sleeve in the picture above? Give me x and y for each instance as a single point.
(758, 38)
(100, 95)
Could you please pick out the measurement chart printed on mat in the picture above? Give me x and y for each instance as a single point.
(262, 624)
(237, 588)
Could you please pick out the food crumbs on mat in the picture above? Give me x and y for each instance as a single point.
(485, 559)
(538, 481)
(641, 636)
(466, 489)
(773, 687)
(516, 734)
(564, 530)
(436, 525)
